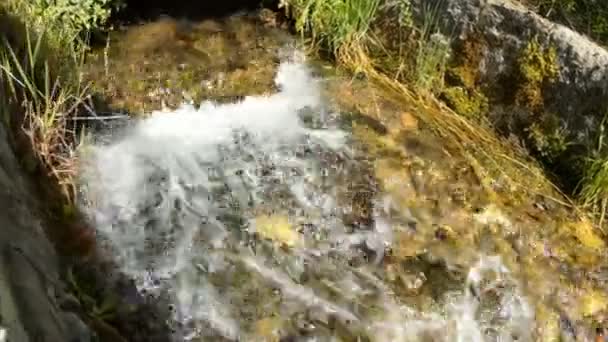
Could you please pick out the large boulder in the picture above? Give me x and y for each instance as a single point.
(578, 95)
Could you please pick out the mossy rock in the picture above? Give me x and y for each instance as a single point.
(537, 66)
(469, 103)
(464, 71)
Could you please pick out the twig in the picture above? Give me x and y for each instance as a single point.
(99, 118)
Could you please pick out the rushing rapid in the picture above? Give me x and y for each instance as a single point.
(239, 213)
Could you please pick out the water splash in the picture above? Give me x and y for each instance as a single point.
(177, 196)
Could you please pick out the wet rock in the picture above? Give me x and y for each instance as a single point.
(29, 268)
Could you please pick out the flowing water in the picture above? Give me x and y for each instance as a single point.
(234, 210)
(316, 208)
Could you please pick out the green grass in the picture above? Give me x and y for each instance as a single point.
(432, 52)
(45, 104)
(593, 187)
(41, 56)
(333, 24)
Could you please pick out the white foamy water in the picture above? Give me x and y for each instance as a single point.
(176, 197)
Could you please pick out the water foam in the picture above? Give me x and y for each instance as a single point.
(177, 195)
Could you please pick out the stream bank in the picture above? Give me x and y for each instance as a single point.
(442, 215)
(415, 234)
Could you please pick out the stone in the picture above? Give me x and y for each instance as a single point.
(29, 268)
(579, 94)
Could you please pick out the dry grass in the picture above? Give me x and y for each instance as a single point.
(491, 157)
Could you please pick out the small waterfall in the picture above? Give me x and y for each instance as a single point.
(235, 212)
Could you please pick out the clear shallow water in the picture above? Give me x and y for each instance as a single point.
(237, 213)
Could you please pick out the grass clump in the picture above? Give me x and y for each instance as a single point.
(333, 24)
(41, 90)
(593, 187)
(41, 54)
(432, 52)
(46, 106)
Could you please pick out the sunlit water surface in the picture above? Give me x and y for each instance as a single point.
(234, 211)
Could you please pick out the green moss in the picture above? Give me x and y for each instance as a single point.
(464, 69)
(463, 93)
(470, 103)
(537, 67)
